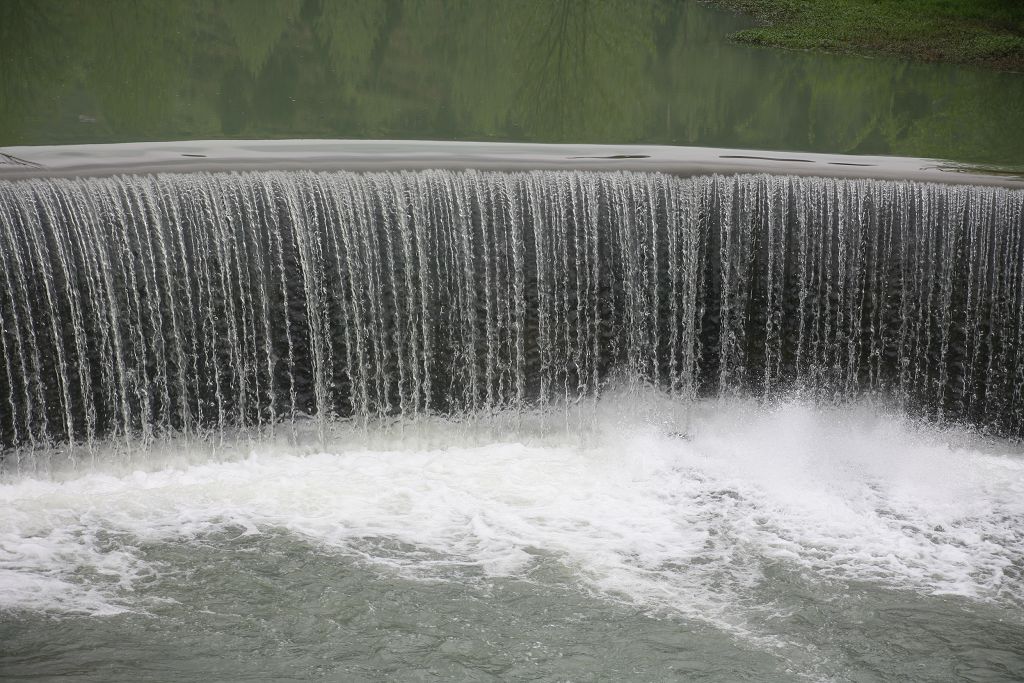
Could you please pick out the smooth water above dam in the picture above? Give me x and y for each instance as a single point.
(168, 305)
(640, 72)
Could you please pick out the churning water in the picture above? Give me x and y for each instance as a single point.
(645, 540)
(197, 305)
(540, 426)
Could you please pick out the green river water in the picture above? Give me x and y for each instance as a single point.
(600, 71)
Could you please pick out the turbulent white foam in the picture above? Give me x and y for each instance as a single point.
(678, 510)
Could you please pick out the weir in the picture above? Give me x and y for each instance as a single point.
(155, 305)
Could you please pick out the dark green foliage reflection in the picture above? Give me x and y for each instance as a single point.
(618, 71)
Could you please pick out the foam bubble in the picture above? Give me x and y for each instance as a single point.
(675, 509)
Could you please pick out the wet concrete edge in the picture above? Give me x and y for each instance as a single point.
(390, 155)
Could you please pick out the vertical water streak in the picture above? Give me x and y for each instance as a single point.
(216, 306)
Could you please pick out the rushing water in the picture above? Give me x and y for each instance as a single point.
(203, 305)
(510, 426)
(639, 538)
(503, 426)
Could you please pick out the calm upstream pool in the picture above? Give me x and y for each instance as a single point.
(596, 71)
(639, 539)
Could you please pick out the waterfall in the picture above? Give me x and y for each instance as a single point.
(145, 306)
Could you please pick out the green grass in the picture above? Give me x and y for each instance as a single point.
(987, 33)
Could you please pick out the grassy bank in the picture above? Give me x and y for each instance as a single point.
(986, 33)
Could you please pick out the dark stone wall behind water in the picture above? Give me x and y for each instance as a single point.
(146, 306)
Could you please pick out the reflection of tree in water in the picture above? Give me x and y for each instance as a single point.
(256, 27)
(75, 69)
(26, 28)
(656, 71)
(579, 67)
(351, 32)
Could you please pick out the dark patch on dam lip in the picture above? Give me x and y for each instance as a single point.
(616, 156)
(848, 163)
(199, 156)
(743, 156)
